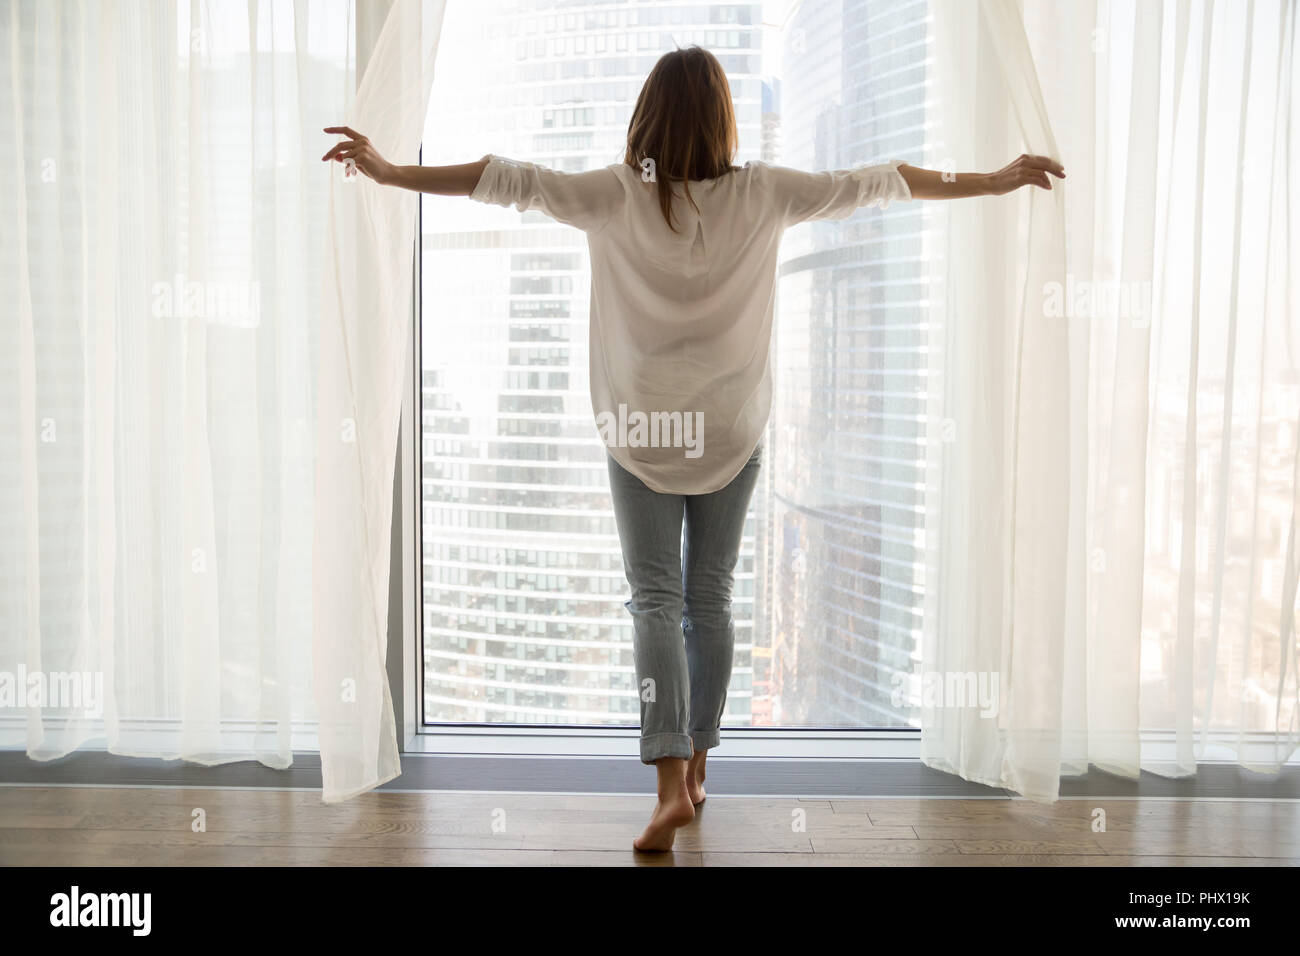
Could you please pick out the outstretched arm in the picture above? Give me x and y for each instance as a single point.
(801, 196)
(1024, 171)
(587, 200)
(440, 180)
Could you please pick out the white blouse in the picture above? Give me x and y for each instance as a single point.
(681, 322)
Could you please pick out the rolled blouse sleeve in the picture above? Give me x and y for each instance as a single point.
(586, 200)
(801, 196)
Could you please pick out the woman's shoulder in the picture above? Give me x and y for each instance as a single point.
(751, 170)
(752, 178)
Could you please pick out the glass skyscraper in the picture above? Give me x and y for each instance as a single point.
(846, 476)
(523, 586)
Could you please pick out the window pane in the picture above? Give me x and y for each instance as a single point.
(523, 583)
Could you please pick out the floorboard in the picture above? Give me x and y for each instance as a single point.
(141, 826)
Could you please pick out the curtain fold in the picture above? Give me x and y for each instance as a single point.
(1112, 503)
(179, 266)
(365, 335)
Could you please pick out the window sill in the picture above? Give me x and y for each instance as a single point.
(903, 744)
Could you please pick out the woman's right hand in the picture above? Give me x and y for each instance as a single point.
(364, 156)
(1025, 171)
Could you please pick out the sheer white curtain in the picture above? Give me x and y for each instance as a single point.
(178, 266)
(365, 336)
(1115, 406)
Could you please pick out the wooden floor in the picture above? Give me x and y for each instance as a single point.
(71, 826)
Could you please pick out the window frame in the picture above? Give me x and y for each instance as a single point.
(406, 638)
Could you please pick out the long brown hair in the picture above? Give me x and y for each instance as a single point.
(683, 123)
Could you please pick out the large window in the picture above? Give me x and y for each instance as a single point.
(523, 588)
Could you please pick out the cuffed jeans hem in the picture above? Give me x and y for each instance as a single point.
(705, 739)
(657, 746)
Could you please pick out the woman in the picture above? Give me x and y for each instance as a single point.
(683, 260)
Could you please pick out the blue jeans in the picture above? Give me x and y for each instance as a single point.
(682, 630)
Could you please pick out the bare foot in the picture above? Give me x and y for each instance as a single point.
(695, 777)
(673, 810)
(669, 815)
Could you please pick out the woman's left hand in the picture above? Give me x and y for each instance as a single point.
(1025, 170)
